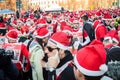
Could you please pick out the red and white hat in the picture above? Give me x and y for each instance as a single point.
(91, 59)
(116, 38)
(98, 13)
(41, 22)
(112, 36)
(61, 40)
(12, 34)
(107, 16)
(42, 32)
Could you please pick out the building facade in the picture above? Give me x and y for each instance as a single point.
(67, 4)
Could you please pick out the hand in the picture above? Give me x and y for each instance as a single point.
(54, 60)
(44, 64)
(76, 44)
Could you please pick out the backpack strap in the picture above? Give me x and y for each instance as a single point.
(29, 44)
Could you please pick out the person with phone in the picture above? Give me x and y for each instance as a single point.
(59, 57)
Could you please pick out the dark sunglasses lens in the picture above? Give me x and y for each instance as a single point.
(50, 49)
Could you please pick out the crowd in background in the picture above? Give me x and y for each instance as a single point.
(76, 45)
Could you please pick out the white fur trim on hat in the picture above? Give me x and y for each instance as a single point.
(86, 71)
(59, 45)
(43, 36)
(109, 38)
(115, 40)
(103, 67)
(12, 38)
(106, 19)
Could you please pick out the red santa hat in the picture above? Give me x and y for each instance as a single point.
(115, 38)
(67, 29)
(41, 22)
(98, 13)
(12, 34)
(112, 36)
(76, 21)
(96, 23)
(91, 59)
(107, 16)
(42, 32)
(61, 40)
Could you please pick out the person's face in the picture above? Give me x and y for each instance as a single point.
(108, 22)
(112, 25)
(106, 42)
(75, 25)
(49, 19)
(45, 39)
(78, 74)
(12, 41)
(50, 49)
(19, 24)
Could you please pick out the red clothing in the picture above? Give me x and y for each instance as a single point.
(2, 26)
(18, 56)
(100, 31)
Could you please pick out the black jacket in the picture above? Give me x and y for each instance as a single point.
(89, 29)
(8, 70)
(67, 74)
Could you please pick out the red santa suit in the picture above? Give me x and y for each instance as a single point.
(100, 31)
(52, 26)
(81, 34)
(21, 54)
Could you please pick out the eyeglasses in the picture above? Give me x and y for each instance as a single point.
(51, 49)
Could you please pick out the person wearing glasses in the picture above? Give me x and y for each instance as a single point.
(59, 65)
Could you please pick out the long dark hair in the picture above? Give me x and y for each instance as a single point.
(40, 41)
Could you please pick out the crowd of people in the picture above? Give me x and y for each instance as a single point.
(77, 45)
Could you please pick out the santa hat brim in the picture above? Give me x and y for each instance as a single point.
(43, 36)
(58, 44)
(115, 40)
(11, 38)
(106, 19)
(86, 71)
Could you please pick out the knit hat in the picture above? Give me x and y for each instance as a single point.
(113, 62)
(12, 34)
(91, 59)
(42, 32)
(61, 40)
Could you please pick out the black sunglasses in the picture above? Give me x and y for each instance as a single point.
(51, 49)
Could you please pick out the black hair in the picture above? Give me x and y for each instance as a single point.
(40, 41)
(85, 17)
(1, 19)
(67, 51)
(92, 78)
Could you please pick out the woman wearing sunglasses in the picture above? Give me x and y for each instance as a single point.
(59, 58)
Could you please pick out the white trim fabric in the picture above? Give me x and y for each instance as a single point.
(59, 45)
(86, 71)
(115, 40)
(43, 36)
